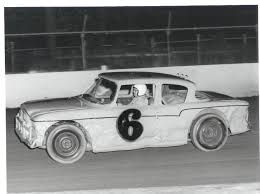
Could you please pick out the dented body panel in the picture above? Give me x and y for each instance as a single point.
(163, 124)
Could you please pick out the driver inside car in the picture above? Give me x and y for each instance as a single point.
(139, 95)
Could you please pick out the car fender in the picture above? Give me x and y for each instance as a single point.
(216, 112)
(85, 132)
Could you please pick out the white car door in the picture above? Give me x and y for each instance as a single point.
(136, 125)
(173, 125)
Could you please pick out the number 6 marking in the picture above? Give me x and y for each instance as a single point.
(128, 126)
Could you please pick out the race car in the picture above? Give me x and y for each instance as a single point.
(104, 119)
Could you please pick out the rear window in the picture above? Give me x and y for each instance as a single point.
(173, 94)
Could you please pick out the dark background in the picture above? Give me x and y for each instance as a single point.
(38, 53)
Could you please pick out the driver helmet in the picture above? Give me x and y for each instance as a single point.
(141, 89)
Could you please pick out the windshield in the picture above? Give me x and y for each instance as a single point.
(102, 92)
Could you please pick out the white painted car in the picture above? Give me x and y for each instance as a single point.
(103, 118)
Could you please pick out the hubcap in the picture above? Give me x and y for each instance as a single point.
(66, 144)
(211, 133)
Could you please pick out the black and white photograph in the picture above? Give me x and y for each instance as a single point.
(131, 99)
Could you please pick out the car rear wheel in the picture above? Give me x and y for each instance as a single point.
(209, 133)
(66, 143)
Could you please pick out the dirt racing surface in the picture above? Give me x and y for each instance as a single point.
(237, 162)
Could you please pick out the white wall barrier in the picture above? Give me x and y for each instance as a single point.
(237, 80)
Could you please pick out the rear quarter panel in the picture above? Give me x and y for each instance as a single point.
(234, 112)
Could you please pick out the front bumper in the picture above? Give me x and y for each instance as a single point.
(25, 133)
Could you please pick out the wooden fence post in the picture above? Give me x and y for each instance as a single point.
(244, 49)
(84, 44)
(198, 49)
(168, 33)
(12, 55)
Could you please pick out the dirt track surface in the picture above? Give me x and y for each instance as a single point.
(32, 170)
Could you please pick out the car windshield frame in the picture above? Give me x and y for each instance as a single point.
(101, 84)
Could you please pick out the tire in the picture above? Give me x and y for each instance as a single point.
(66, 143)
(209, 132)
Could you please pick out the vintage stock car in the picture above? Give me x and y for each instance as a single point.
(104, 118)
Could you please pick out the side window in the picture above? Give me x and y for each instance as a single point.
(173, 94)
(126, 95)
(150, 88)
(125, 91)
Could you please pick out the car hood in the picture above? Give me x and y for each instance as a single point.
(35, 108)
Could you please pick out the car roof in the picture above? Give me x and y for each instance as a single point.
(138, 75)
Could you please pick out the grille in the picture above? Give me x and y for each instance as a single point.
(26, 126)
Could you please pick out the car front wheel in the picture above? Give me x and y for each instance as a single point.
(209, 133)
(66, 143)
